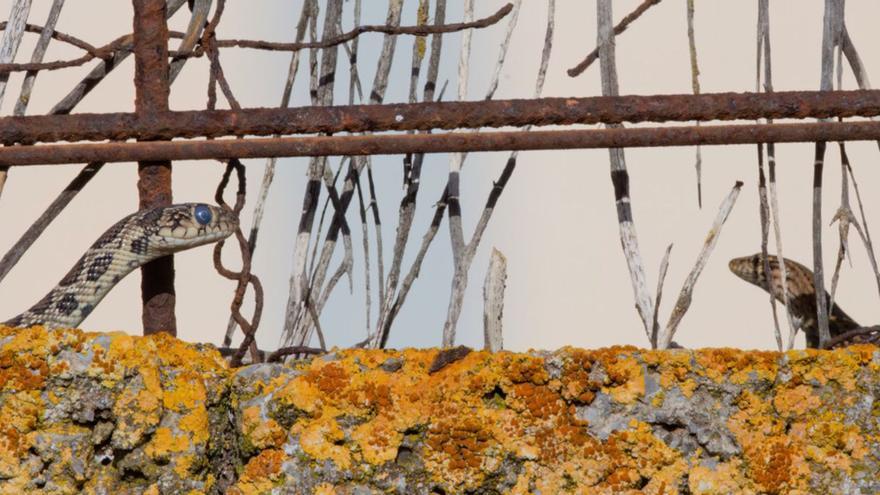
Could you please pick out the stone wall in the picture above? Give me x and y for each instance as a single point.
(111, 413)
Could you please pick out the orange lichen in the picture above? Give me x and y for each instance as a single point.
(261, 432)
(736, 366)
(260, 473)
(322, 439)
(625, 377)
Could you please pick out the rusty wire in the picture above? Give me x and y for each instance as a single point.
(283, 352)
(124, 42)
(863, 335)
(244, 276)
(395, 144)
(619, 28)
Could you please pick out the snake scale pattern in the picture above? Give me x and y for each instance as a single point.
(801, 294)
(136, 239)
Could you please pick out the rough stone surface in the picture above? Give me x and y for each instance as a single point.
(110, 413)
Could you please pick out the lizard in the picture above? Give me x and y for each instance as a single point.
(801, 294)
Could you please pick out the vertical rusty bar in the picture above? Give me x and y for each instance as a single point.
(154, 177)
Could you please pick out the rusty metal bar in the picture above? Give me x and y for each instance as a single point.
(392, 144)
(154, 174)
(445, 115)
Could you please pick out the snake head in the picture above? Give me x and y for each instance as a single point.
(183, 226)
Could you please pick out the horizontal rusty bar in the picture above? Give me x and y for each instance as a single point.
(440, 115)
(392, 144)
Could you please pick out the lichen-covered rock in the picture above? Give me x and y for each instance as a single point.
(110, 413)
(104, 413)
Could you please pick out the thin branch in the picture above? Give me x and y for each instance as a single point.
(323, 95)
(406, 212)
(695, 86)
(832, 28)
(620, 176)
(685, 296)
(661, 278)
(356, 166)
(863, 230)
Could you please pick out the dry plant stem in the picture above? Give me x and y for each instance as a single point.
(831, 34)
(661, 278)
(415, 268)
(493, 301)
(33, 232)
(12, 37)
(618, 29)
(82, 178)
(764, 209)
(8, 48)
(456, 232)
(855, 61)
(695, 86)
(461, 253)
(861, 76)
(469, 250)
(418, 51)
(764, 204)
(324, 95)
(777, 234)
(27, 84)
(620, 176)
(818, 271)
(686, 294)
(356, 167)
(863, 230)
(460, 277)
(365, 235)
(845, 217)
(502, 52)
(407, 207)
(377, 224)
(763, 47)
(355, 84)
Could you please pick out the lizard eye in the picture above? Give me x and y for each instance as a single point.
(203, 214)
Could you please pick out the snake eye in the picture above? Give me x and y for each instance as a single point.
(203, 214)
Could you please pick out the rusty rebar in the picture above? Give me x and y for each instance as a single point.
(438, 115)
(395, 144)
(154, 175)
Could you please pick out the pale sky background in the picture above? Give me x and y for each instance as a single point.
(567, 282)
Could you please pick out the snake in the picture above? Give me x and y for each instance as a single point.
(129, 243)
(801, 294)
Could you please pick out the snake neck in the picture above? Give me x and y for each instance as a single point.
(84, 286)
(114, 255)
